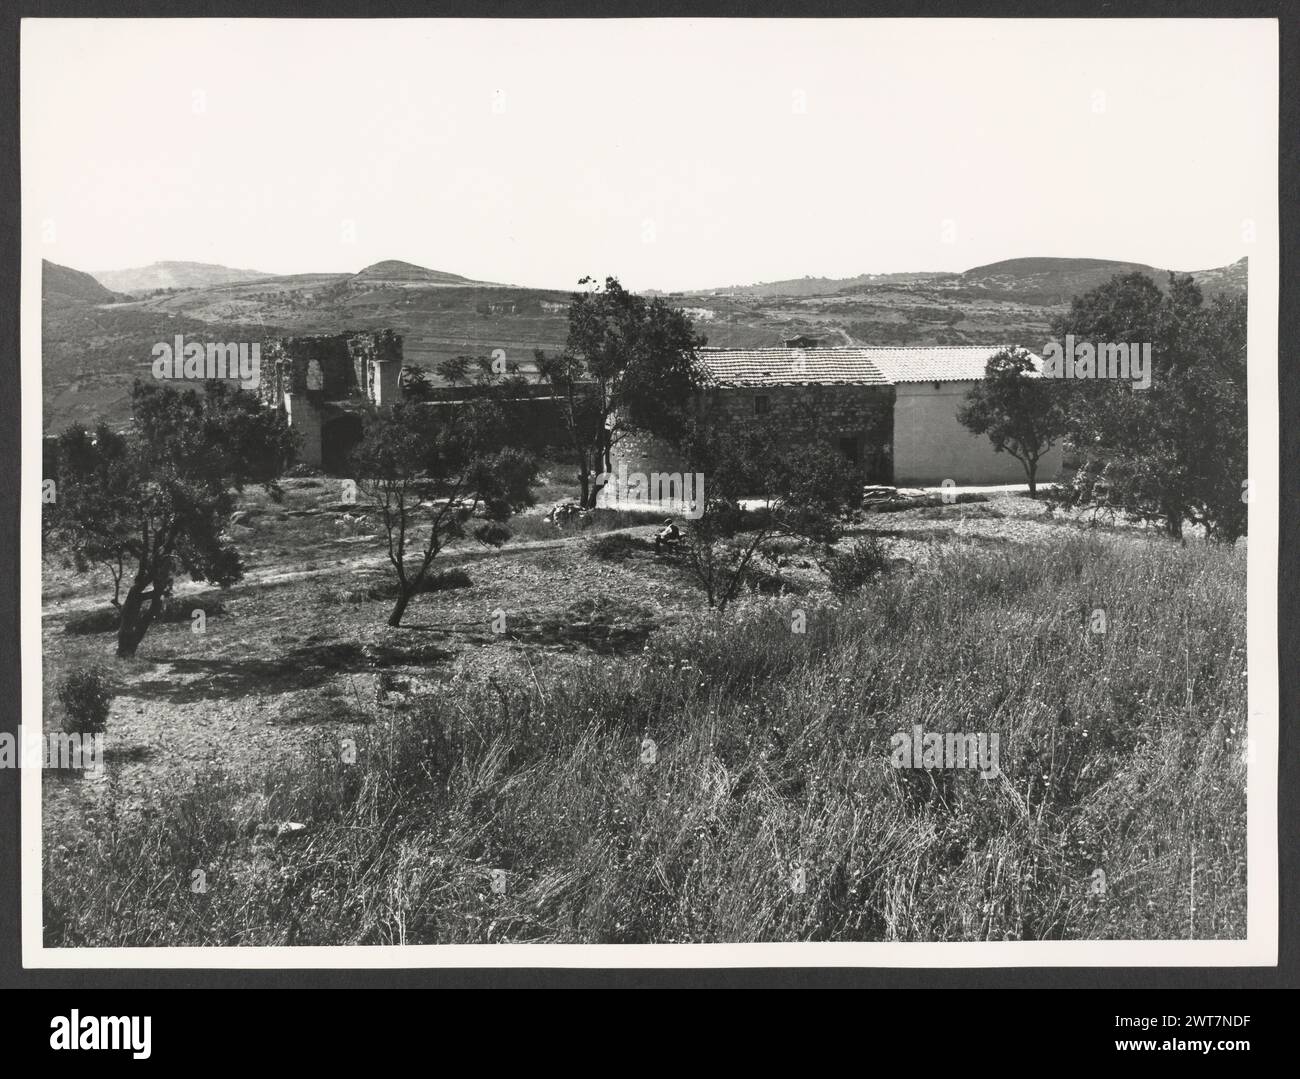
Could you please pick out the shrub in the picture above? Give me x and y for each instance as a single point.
(101, 620)
(447, 580)
(175, 609)
(492, 534)
(434, 582)
(851, 569)
(85, 696)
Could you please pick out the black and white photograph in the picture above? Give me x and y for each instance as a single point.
(656, 492)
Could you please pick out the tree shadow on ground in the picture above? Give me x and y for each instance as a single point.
(305, 667)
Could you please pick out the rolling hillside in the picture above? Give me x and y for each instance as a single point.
(1037, 280)
(1056, 280)
(62, 286)
(95, 344)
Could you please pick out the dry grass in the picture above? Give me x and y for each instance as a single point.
(1119, 751)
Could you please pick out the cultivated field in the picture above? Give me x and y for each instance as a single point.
(564, 745)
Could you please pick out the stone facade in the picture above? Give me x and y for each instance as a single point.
(323, 381)
(855, 420)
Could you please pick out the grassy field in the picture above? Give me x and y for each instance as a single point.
(613, 763)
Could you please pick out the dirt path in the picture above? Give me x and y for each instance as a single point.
(257, 577)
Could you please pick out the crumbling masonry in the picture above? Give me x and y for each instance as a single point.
(323, 383)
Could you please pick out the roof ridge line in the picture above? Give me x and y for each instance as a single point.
(838, 348)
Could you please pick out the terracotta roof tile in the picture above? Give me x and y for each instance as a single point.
(868, 365)
(936, 363)
(790, 367)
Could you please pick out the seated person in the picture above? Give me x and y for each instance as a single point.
(667, 537)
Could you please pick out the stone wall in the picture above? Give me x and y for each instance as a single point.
(305, 420)
(819, 415)
(830, 416)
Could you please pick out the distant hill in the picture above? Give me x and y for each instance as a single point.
(395, 272)
(62, 285)
(1039, 281)
(1056, 280)
(173, 275)
(814, 286)
(1230, 278)
(94, 346)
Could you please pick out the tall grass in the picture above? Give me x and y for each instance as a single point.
(771, 755)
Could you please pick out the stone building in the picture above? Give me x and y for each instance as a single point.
(833, 396)
(891, 411)
(324, 382)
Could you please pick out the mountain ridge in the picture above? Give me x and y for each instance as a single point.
(62, 285)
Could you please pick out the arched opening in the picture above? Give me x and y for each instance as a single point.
(339, 437)
(315, 377)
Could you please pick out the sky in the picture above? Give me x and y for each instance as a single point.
(674, 154)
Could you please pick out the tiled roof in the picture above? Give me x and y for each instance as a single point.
(789, 366)
(935, 363)
(871, 365)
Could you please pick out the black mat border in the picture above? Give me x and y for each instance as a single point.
(1284, 975)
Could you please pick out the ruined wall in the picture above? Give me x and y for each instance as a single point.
(305, 421)
(331, 367)
(314, 377)
(378, 347)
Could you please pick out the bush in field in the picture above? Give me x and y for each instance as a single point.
(443, 581)
(805, 493)
(850, 570)
(492, 534)
(174, 609)
(102, 620)
(86, 695)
